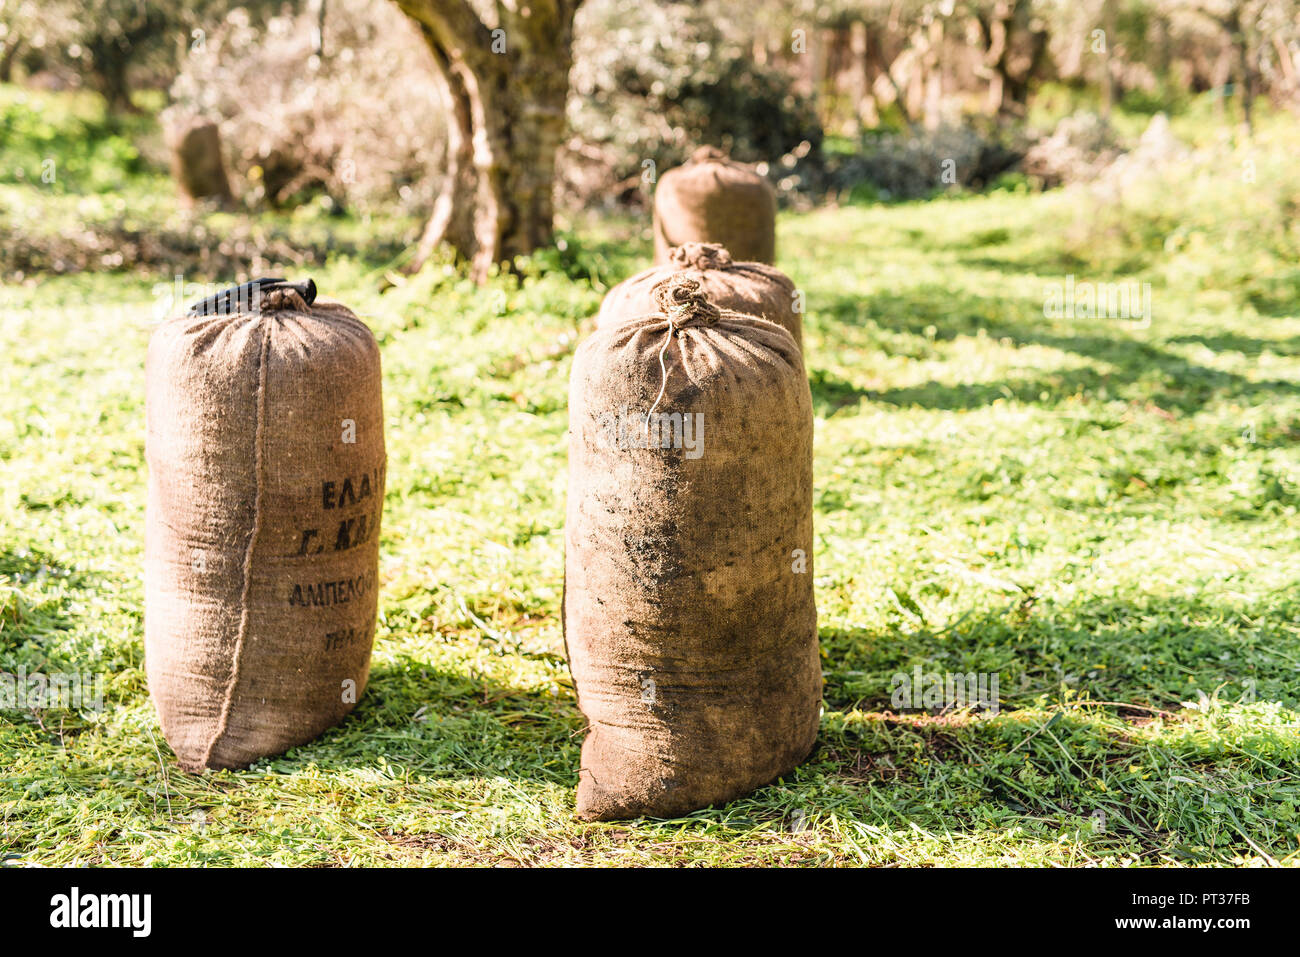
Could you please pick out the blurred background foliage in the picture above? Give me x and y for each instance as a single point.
(331, 108)
(341, 104)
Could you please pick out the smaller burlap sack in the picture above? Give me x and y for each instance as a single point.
(750, 289)
(266, 458)
(196, 163)
(712, 199)
(689, 617)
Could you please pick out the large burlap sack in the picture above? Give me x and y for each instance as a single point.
(751, 289)
(712, 199)
(689, 617)
(266, 458)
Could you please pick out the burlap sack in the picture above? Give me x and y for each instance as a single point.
(196, 163)
(712, 199)
(689, 617)
(266, 461)
(751, 289)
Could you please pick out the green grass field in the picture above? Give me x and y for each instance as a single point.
(1103, 512)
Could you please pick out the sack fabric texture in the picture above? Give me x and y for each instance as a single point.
(712, 199)
(266, 459)
(748, 288)
(689, 617)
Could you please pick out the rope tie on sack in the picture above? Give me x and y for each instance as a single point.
(706, 154)
(681, 300)
(700, 256)
(286, 299)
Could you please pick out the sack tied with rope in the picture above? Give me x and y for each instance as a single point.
(713, 199)
(748, 288)
(265, 448)
(689, 617)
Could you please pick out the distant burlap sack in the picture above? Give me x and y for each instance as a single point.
(196, 163)
(689, 617)
(266, 461)
(751, 289)
(712, 199)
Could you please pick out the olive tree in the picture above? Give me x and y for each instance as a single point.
(505, 81)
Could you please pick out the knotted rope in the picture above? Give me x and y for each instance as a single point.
(700, 256)
(260, 295)
(707, 154)
(278, 300)
(681, 300)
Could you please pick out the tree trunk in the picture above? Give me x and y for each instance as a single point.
(864, 104)
(1108, 59)
(115, 89)
(1222, 75)
(1010, 71)
(933, 70)
(1242, 67)
(996, 42)
(505, 89)
(452, 219)
(1285, 64)
(7, 57)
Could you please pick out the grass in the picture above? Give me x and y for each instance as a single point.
(1101, 513)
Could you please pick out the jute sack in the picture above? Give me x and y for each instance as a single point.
(266, 461)
(689, 618)
(751, 289)
(711, 199)
(196, 163)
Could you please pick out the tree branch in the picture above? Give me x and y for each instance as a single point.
(454, 24)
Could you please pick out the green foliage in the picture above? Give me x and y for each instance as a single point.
(109, 42)
(83, 148)
(359, 120)
(1246, 205)
(110, 205)
(887, 166)
(654, 82)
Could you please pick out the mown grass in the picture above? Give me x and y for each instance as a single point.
(1102, 513)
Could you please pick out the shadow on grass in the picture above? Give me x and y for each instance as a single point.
(1189, 788)
(1147, 727)
(1247, 346)
(831, 393)
(1142, 370)
(915, 311)
(448, 724)
(965, 396)
(1153, 652)
(1062, 261)
(1093, 739)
